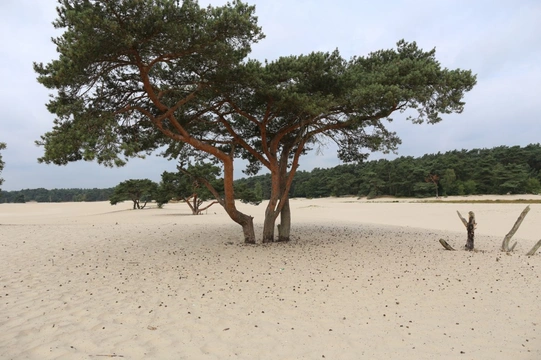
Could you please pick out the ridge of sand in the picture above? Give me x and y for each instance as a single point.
(359, 281)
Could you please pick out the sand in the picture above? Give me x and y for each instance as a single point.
(359, 280)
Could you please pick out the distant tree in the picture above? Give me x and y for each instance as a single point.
(138, 190)
(248, 195)
(372, 184)
(448, 181)
(189, 185)
(434, 180)
(2, 147)
(533, 186)
(258, 191)
(423, 189)
(469, 187)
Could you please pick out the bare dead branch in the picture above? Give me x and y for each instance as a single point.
(464, 221)
(446, 245)
(507, 238)
(534, 249)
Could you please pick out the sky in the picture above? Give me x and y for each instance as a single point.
(499, 40)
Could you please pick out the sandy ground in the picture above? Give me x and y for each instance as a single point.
(360, 280)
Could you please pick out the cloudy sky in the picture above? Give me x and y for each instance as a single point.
(500, 40)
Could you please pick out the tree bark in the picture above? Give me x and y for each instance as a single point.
(471, 231)
(271, 212)
(268, 225)
(247, 223)
(284, 228)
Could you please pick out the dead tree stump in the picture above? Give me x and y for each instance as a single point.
(471, 230)
(470, 227)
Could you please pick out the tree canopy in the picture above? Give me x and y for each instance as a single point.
(136, 75)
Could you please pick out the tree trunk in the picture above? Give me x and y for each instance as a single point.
(284, 228)
(268, 225)
(195, 207)
(271, 212)
(228, 201)
(248, 229)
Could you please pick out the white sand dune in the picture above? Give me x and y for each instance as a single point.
(360, 280)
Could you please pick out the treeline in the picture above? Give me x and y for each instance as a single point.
(55, 195)
(500, 170)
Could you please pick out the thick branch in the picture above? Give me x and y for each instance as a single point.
(243, 143)
(206, 207)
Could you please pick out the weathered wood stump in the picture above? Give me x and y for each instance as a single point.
(470, 228)
(471, 231)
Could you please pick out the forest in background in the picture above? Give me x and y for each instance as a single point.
(500, 170)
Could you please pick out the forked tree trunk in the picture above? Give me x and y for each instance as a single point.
(284, 228)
